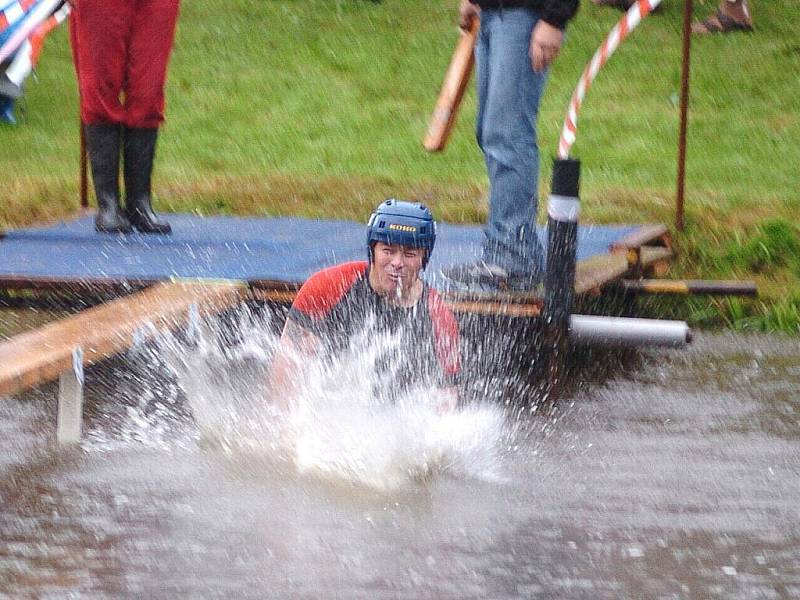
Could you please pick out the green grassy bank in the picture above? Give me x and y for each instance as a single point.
(318, 107)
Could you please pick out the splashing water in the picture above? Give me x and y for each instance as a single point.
(340, 428)
(344, 430)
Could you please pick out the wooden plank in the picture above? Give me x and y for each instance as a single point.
(504, 309)
(455, 83)
(280, 296)
(653, 254)
(643, 236)
(35, 357)
(467, 296)
(654, 261)
(70, 403)
(74, 285)
(595, 272)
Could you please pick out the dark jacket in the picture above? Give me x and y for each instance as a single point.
(555, 12)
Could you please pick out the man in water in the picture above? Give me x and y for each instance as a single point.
(384, 294)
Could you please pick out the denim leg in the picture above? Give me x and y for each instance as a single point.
(508, 103)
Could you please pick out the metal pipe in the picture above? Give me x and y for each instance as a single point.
(628, 332)
(690, 287)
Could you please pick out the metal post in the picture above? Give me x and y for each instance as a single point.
(562, 244)
(70, 401)
(687, 49)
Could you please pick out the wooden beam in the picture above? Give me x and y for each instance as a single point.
(75, 286)
(595, 272)
(70, 401)
(38, 356)
(503, 309)
(280, 296)
(654, 260)
(646, 235)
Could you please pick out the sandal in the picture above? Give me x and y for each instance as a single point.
(720, 23)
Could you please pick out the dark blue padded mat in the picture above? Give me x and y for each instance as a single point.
(278, 249)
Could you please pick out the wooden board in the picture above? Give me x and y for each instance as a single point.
(502, 309)
(646, 235)
(593, 273)
(38, 356)
(455, 84)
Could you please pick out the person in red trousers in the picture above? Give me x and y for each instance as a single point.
(121, 50)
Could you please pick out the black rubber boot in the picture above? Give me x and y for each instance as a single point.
(138, 152)
(103, 146)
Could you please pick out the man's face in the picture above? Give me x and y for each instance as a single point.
(394, 265)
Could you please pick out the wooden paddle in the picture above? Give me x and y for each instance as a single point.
(455, 82)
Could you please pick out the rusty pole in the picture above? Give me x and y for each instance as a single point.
(84, 183)
(687, 49)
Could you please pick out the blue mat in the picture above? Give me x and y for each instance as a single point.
(221, 247)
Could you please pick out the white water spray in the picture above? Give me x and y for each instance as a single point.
(345, 431)
(338, 428)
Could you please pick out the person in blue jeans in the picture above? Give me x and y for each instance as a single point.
(518, 41)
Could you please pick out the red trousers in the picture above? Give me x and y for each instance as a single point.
(121, 49)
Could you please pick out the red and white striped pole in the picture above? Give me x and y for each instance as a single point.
(621, 30)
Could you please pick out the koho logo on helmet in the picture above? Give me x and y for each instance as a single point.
(409, 228)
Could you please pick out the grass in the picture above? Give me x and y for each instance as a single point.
(318, 108)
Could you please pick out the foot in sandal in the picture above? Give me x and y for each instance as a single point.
(732, 15)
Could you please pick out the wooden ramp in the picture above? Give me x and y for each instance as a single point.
(63, 348)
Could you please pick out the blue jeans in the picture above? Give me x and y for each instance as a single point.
(508, 104)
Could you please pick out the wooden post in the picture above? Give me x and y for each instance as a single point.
(687, 49)
(84, 178)
(70, 401)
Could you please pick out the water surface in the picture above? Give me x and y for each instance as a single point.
(678, 478)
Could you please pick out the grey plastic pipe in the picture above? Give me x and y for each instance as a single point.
(628, 332)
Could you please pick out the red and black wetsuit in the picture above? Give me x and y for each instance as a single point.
(338, 303)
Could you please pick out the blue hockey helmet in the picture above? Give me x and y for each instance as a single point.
(405, 223)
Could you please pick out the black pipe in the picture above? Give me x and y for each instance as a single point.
(562, 244)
